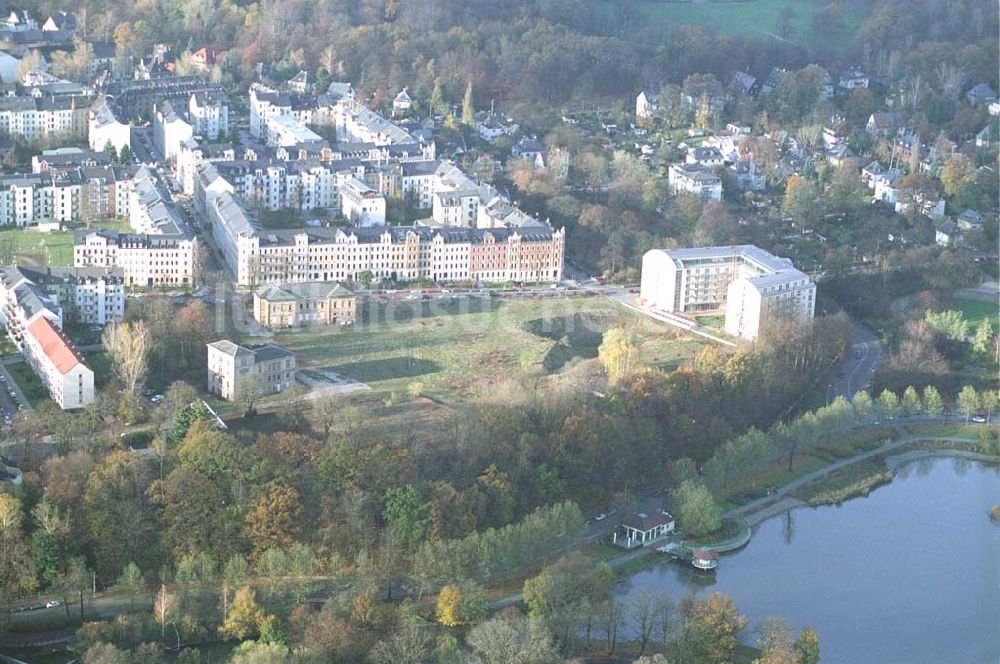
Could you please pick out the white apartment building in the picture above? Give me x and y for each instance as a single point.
(92, 296)
(31, 198)
(361, 204)
(284, 130)
(151, 209)
(36, 118)
(58, 364)
(755, 288)
(695, 179)
(208, 112)
(104, 127)
(170, 128)
(147, 261)
(233, 368)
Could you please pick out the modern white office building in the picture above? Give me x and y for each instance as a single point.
(755, 288)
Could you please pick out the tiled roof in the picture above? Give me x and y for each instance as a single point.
(55, 345)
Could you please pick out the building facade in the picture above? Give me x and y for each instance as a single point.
(233, 368)
(755, 288)
(146, 261)
(302, 304)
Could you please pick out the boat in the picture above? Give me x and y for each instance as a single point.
(704, 560)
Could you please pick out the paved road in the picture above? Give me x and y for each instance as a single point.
(854, 372)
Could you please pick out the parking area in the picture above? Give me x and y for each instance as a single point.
(11, 399)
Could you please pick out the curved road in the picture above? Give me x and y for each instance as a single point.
(854, 373)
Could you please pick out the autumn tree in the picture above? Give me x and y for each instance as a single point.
(468, 110)
(968, 401)
(273, 519)
(411, 645)
(74, 65)
(715, 629)
(807, 646)
(933, 403)
(617, 352)
(245, 616)
(128, 345)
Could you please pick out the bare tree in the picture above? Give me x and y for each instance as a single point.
(614, 617)
(642, 611)
(128, 345)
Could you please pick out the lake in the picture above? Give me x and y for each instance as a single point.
(909, 574)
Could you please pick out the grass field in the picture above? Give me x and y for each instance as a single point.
(753, 18)
(459, 349)
(977, 310)
(34, 248)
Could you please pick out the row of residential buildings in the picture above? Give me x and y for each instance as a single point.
(35, 305)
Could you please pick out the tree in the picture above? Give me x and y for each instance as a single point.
(125, 155)
(131, 582)
(889, 404)
(863, 406)
(406, 515)
(111, 153)
(801, 201)
(563, 591)
(933, 403)
(250, 388)
(617, 352)
(989, 400)
(245, 616)
(468, 110)
(958, 175)
(911, 402)
(982, 339)
(715, 628)
(785, 18)
(715, 226)
(774, 635)
(128, 345)
(411, 645)
(32, 61)
(807, 646)
(273, 520)
(696, 510)
(950, 324)
(968, 401)
(510, 637)
(438, 104)
(448, 606)
(105, 653)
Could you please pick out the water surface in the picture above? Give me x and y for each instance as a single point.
(909, 574)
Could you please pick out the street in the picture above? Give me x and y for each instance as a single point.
(854, 372)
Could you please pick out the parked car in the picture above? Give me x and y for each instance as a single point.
(979, 418)
(51, 604)
(601, 517)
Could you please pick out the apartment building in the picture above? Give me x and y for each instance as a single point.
(151, 209)
(67, 159)
(58, 364)
(92, 296)
(104, 127)
(695, 179)
(361, 204)
(137, 98)
(754, 288)
(170, 128)
(307, 303)
(36, 118)
(146, 260)
(33, 319)
(257, 256)
(208, 111)
(233, 368)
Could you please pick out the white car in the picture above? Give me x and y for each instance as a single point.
(601, 517)
(51, 604)
(979, 419)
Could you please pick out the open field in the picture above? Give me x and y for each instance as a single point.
(459, 349)
(753, 18)
(35, 248)
(978, 310)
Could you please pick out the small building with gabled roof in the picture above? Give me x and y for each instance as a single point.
(59, 365)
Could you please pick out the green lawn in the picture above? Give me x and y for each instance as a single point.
(35, 248)
(753, 18)
(977, 310)
(462, 349)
